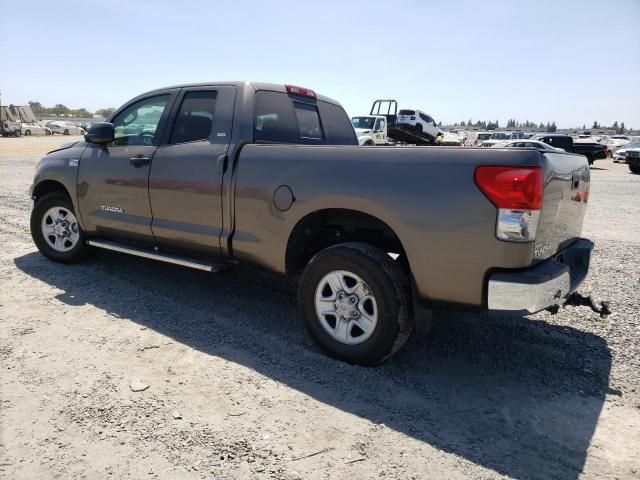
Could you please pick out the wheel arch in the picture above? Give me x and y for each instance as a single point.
(47, 186)
(323, 228)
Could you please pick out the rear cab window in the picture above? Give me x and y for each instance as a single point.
(283, 118)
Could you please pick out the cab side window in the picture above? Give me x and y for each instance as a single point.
(195, 117)
(279, 119)
(138, 123)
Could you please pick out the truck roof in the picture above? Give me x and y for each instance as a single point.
(273, 87)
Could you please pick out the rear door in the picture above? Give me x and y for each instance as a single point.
(186, 179)
(113, 180)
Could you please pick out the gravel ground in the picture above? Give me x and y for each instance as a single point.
(235, 390)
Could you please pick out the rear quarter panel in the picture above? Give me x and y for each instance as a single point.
(427, 195)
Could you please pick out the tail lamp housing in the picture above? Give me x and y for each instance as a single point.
(517, 194)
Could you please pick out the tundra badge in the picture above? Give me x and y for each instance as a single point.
(110, 208)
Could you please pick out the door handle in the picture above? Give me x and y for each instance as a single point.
(139, 161)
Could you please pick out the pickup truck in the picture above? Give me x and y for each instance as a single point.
(371, 130)
(210, 175)
(593, 151)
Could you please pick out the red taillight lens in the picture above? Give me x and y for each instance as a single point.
(517, 188)
(305, 92)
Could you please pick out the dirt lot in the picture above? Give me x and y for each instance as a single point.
(236, 390)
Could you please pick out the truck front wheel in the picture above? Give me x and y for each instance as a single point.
(355, 303)
(55, 229)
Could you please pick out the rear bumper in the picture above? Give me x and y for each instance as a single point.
(542, 286)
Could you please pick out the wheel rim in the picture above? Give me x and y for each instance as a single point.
(346, 307)
(60, 229)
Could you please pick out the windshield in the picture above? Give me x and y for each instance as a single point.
(632, 145)
(484, 136)
(407, 112)
(363, 122)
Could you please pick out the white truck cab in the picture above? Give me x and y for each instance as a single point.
(371, 130)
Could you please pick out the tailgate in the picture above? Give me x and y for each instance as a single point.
(566, 192)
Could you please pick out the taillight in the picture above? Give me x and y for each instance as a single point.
(305, 92)
(517, 194)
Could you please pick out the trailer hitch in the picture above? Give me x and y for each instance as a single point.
(578, 300)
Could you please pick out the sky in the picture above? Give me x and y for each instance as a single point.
(566, 61)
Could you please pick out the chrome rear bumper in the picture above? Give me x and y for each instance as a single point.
(547, 284)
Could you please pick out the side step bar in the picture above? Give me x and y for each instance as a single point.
(162, 257)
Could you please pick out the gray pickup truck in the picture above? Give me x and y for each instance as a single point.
(214, 174)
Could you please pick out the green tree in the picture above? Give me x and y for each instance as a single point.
(595, 125)
(37, 107)
(105, 112)
(621, 129)
(551, 128)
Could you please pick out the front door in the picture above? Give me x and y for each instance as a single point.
(113, 180)
(186, 180)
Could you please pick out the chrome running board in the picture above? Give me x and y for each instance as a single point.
(162, 257)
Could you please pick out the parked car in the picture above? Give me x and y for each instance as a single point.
(593, 151)
(274, 177)
(65, 128)
(621, 154)
(420, 122)
(34, 129)
(501, 137)
(613, 145)
(626, 138)
(632, 156)
(452, 140)
(528, 144)
(475, 139)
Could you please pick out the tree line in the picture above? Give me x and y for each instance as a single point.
(511, 123)
(59, 110)
(549, 126)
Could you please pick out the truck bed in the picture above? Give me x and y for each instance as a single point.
(426, 195)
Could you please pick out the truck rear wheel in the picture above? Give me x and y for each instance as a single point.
(634, 168)
(55, 229)
(355, 303)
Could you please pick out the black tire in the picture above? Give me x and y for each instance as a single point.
(368, 143)
(17, 133)
(388, 284)
(634, 168)
(56, 199)
(27, 132)
(66, 132)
